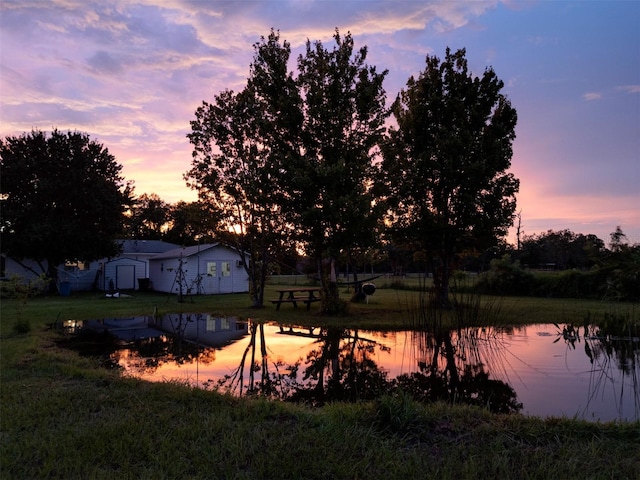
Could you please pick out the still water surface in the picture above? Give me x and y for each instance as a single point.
(532, 369)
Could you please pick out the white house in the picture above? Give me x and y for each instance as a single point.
(201, 269)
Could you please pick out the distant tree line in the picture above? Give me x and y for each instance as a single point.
(560, 250)
(567, 265)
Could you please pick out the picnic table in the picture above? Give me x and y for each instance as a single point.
(294, 295)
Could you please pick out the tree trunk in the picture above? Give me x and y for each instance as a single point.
(441, 278)
(331, 303)
(52, 274)
(257, 279)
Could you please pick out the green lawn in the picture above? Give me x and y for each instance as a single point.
(386, 308)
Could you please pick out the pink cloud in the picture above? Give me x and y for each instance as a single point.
(589, 96)
(629, 88)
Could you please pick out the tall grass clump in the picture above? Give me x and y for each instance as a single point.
(617, 323)
(424, 313)
(467, 307)
(470, 308)
(396, 413)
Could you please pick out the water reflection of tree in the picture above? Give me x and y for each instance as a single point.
(235, 381)
(614, 358)
(341, 367)
(454, 367)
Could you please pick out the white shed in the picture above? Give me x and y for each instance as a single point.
(123, 274)
(130, 269)
(200, 269)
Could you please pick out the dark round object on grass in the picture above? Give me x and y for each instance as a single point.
(368, 288)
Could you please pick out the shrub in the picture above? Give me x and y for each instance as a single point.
(21, 326)
(505, 277)
(22, 288)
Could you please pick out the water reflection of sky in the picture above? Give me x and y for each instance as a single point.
(560, 379)
(550, 378)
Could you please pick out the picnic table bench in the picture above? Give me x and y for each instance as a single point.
(308, 297)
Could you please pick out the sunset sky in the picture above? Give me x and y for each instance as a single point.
(131, 74)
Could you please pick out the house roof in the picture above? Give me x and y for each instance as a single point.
(185, 251)
(125, 260)
(188, 251)
(145, 246)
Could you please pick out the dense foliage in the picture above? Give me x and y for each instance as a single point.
(446, 163)
(614, 276)
(62, 197)
(149, 217)
(242, 143)
(560, 250)
(289, 159)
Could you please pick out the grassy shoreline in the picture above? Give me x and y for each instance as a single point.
(62, 416)
(387, 308)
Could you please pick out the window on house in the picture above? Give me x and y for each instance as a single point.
(76, 265)
(211, 269)
(226, 269)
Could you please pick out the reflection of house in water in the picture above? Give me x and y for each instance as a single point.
(127, 329)
(203, 328)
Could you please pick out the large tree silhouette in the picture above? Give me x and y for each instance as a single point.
(446, 162)
(62, 197)
(289, 160)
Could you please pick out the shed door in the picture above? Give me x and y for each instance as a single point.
(211, 280)
(219, 277)
(126, 277)
(226, 277)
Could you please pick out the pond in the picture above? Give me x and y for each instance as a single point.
(537, 370)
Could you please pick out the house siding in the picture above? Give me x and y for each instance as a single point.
(134, 260)
(209, 269)
(80, 280)
(22, 269)
(206, 269)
